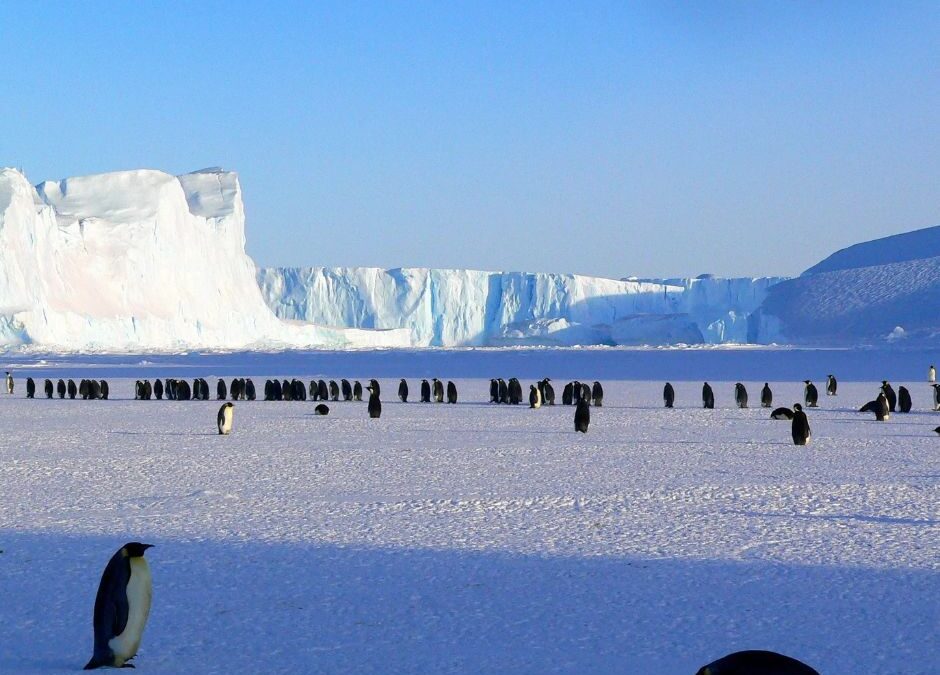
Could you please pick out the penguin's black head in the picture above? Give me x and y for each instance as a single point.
(797, 407)
(135, 549)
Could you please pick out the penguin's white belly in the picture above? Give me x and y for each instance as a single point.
(226, 426)
(139, 594)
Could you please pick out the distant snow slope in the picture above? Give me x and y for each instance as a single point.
(138, 260)
(896, 248)
(467, 307)
(882, 290)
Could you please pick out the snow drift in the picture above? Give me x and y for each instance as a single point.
(139, 260)
(467, 307)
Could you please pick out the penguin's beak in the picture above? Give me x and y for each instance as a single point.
(146, 546)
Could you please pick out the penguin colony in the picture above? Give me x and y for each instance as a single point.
(122, 603)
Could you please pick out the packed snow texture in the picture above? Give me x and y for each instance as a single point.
(474, 538)
(138, 260)
(886, 290)
(444, 307)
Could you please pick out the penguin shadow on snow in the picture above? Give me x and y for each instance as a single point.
(164, 433)
(836, 517)
(242, 606)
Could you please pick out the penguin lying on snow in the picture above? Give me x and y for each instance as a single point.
(781, 414)
(121, 607)
(322, 409)
(756, 662)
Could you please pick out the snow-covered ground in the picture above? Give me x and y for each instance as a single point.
(478, 538)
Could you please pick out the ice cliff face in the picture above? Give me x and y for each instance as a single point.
(138, 260)
(467, 307)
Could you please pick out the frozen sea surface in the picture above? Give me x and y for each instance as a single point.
(478, 538)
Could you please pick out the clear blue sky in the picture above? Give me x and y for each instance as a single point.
(648, 139)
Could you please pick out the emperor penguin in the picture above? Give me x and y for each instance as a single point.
(708, 396)
(403, 391)
(72, 389)
(105, 390)
(225, 418)
(740, 395)
(597, 394)
(437, 388)
(451, 392)
(121, 607)
(586, 392)
(936, 397)
(879, 406)
(766, 396)
(831, 385)
(494, 391)
(158, 389)
(515, 391)
(357, 391)
(322, 390)
(250, 392)
(30, 388)
(931, 374)
(425, 391)
(904, 400)
(60, 388)
(582, 416)
(669, 395)
(890, 395)
(9, 383)
(314, 391)
(752, 662)
(374, 386)
(810, 394)
(567, 394)
(49, 388)
(221, 393)
(781, 414)
(535, 397)
(322, 409)
(375, 405)
(334, 391)
(799, 427)
(346, 388)
(548, 392)
(503, 390)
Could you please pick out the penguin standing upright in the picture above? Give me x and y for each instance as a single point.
(810, 394)
(437, 388)
(766, 396)
(567, 394)
(158, 389)
(904, 400)
(250, 392)
(582, 416)
(60, 388)
(403, 391)
(9, 383)
(740, 395)
(515, 391)
(72, 389)
(535, 397)
(890, 395)
(799, 427)
(346, 388)
(225, 418)
(375, 405)
(48, 388)
(931, 374)
(334, 391)
(357, 391)
(451, 392)
(322, 390)
(122, 606)
(221, 393)
(597, 394)
(756, 662)
(425, 391)
(708, 396)
(30, 388)
(105, 390)
(494, 391)
(503, 390)
(586, 392)
(936, 397)
(548, 392)
(669, 395)
(831, 385)
(374, 385)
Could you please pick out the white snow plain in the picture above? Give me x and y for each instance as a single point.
(474, 538)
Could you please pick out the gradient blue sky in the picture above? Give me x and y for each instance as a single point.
(648, 139)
